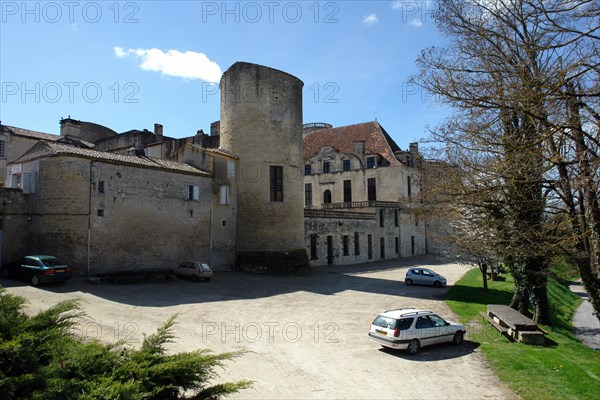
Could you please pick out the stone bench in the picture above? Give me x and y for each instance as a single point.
(517, 326)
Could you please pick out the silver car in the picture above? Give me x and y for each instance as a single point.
(194, 270)
(424, 276)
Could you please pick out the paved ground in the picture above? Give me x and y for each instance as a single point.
(585, 324)
(306, 336)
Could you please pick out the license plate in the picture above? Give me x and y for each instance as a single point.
(60, 270)
(382, 333)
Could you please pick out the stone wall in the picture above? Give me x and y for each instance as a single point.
(14, 225)
(133, 218)
(337, 224)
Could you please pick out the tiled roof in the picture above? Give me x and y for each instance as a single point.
(50, 149)
(377, 140)
(30, 134)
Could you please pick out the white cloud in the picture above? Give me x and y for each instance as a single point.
(415, 23)
(370, 19)
(397, 5)
(189, 65)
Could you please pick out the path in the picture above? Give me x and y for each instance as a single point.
(585, 324)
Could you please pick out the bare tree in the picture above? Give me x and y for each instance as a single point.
(505, 72)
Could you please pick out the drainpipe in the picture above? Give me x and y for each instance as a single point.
(89, 228)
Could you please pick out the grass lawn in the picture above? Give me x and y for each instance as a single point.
(566, 370)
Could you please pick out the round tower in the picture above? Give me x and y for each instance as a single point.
(261, 122)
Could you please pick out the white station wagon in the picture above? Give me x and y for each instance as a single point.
(411, 329)
(194, 271)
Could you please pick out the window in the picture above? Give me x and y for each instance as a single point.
(382, 247)
(408, 187)
(230, 168)
(396, 218)
(307, 169)
(396, 244)
(276, 183)
(371, 190)
(416, 221)
(347, 191)
(371, 162)
(356, 244)
(193, 192)
(326, 167)
(370, 246)
(345, 242)
(101, 213)
(329, 250)
(381, 218)
(307, 194)
(327, 196)
(423, 323)
(346, 165)
(412, 245)
(224, 200)
(100, 186)
(313, 247)
(2, 147)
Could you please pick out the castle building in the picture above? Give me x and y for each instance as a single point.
(315, 195)
(359, 189)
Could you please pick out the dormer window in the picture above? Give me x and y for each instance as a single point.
(346, 165)
(371, 162)
(326, 167)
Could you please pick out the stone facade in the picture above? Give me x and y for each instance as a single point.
(14, 234)
(358, 169)
(107, 214)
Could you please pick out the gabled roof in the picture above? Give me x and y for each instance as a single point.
(53, 149)
(377, 140)
(28, 133)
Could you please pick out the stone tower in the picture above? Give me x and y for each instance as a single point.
(261, 122)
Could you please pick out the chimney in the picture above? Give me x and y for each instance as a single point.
(359, 151)
(158, 132)
(199, 138)
(413, 149)
(70, 127)
(215, 128)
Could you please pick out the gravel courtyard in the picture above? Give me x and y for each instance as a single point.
(306, 337)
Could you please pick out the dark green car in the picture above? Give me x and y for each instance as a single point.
(38, 269)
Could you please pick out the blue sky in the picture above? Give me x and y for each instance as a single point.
(127, 65)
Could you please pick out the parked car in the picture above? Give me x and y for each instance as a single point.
(38, 269)
(194, 270)
(411, 329)
(424, 276)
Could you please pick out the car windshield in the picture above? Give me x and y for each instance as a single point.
(52, 262)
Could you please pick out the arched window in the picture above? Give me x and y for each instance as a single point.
(327, 196)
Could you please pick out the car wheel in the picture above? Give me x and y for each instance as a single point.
(5, 273)
(206, 279)
(458, 338)
(35, 280)
(413, 347)
(194, 278)
(437, 284)
(409, 282)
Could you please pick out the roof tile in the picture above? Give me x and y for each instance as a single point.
(377, 140)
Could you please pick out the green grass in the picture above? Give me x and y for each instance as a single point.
(566, 370)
